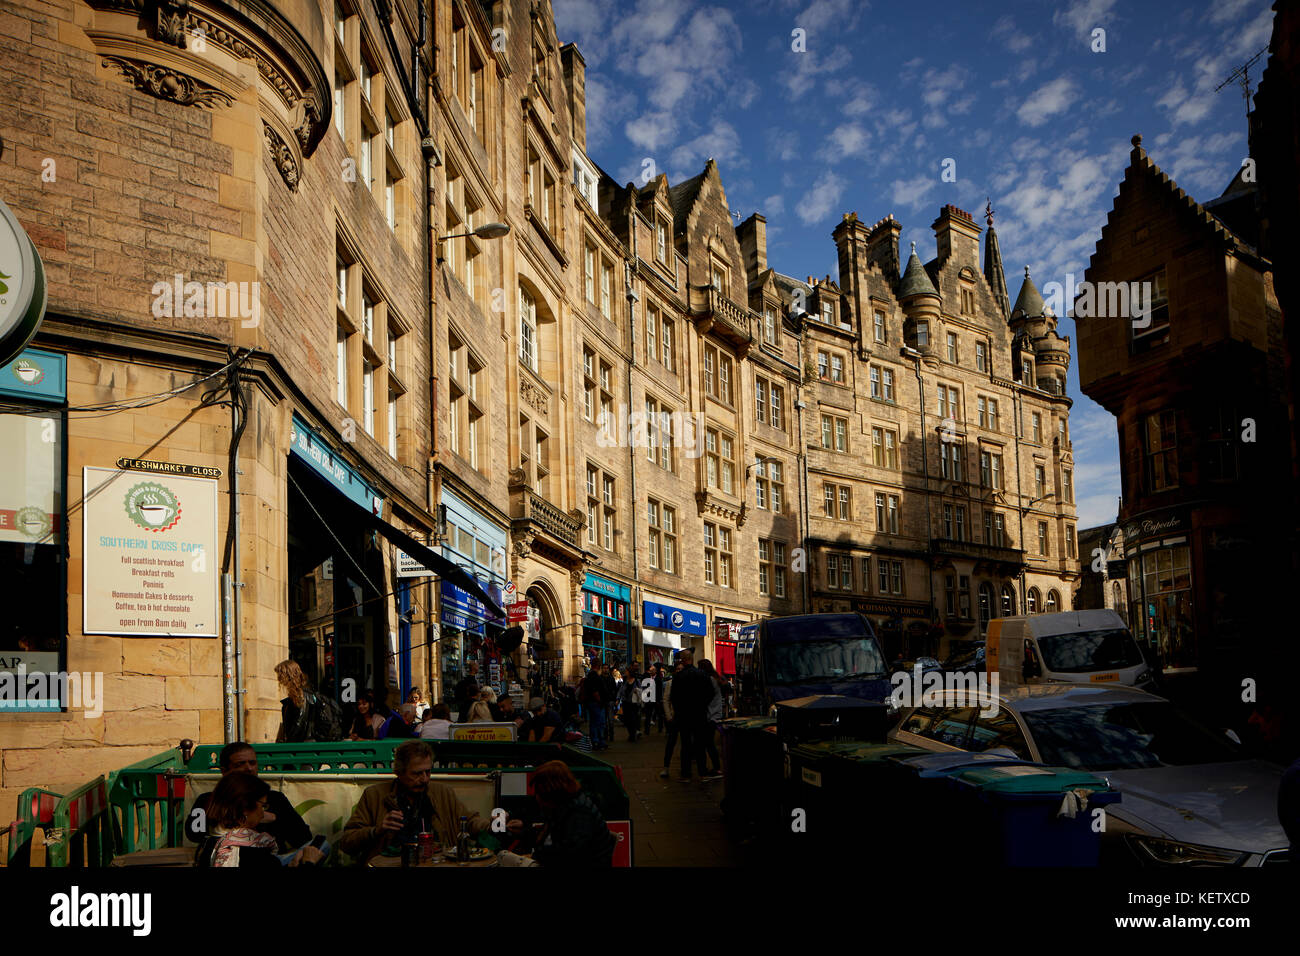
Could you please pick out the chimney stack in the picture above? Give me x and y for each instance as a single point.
(957, 236)
(882, 246)
(752, 235)
(575, 85)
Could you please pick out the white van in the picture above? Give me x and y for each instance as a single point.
(1075, 647)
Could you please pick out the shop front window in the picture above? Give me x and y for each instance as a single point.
(1167, 617)
(605, 622)
(34, 575)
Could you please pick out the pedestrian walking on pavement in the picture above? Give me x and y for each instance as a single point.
(714, 715)
(632, 703)
(653, 710)
(591, 694)
(667, 701)
(609, 677)
(692, 691)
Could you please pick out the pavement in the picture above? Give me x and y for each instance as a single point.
(673, 823)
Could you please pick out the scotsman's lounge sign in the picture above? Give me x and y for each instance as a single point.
(22, 287)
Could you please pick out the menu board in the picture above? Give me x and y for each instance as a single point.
(151, 563)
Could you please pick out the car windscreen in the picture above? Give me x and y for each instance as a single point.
(824, 659)
(1127, 736)
(1081, 651)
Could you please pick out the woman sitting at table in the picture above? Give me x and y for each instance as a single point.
(237, 808)
(366, 723)
(575, 835)
(480, 711)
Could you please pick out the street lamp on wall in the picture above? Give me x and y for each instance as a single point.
(489, 230)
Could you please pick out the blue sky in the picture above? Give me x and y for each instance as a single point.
(885, 92)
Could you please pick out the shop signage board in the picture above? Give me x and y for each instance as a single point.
(517, 613)
(665, 617)
(22, 287)
(304, 445)
(151, 564)
(408, 567)
(168, 468)
(496, 732)
(36, 374)
(594, 582)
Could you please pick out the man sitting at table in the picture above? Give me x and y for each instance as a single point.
(544, 726)
(280, 820)
(408, 804)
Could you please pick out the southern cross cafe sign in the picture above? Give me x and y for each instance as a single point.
(22, 287)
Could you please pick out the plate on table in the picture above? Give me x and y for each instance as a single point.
(477, 854)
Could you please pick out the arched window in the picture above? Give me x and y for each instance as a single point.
(1117, 601)
(1053, 602)
(1032, 602)
(986, 605)
(1008, 601)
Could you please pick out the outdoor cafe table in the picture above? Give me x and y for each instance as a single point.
(439, 860)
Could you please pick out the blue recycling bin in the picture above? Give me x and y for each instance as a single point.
(1020, 809)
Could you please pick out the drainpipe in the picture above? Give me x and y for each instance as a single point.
(632, 297)
(915, 356)
(237, 426)
(803, 479)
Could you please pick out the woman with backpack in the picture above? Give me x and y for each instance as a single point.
(304, 714)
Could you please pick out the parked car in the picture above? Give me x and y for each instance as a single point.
(1191, 796)
(909, 664)
(805, 654)
(968, 661)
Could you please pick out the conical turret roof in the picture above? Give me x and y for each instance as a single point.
(916, 281)
(993, 272)
(1029, 303)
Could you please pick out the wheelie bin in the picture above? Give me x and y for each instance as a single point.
(751, 769)
(1036, 816)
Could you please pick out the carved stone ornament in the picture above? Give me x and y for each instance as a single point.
(283, 156)
(577, 578)
(517, 478)
(533, 396)
(523, 544)
(168, 84)
(173, 20)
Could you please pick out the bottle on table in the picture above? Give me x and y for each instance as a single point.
(462, 841)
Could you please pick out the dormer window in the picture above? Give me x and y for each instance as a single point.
(661, 241)
(828, 313)
(922, 334)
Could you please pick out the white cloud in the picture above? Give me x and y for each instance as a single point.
(831, 16)
(808, 66)
(651, 130)
(1047, 101)
(821, 199)
(675, 58)
(606, 104)
(846, 141)
(910, 192)
(1228, 11)
(720, 142)
(775, 206)
(1083, 15)
(1015, 41)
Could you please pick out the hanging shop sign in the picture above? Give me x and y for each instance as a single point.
(36, 375)
(151, 564)
(22, 287)
(408, 567)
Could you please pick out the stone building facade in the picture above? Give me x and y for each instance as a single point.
(619, 410)
(1197, 388)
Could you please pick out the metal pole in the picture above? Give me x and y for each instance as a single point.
(228, 658)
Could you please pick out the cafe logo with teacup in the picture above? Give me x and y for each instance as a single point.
(153, 506)
(28, 372)
(33, 522)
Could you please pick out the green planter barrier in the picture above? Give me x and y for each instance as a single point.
(146, 800)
